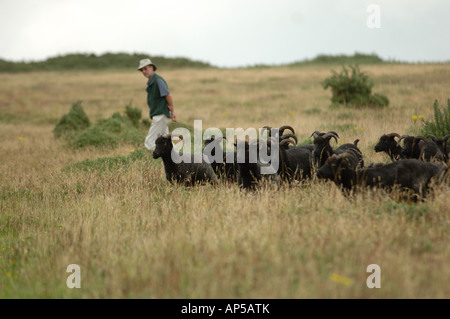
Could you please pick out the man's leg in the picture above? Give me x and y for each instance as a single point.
(159, 126)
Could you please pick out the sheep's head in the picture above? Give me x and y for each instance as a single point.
(387, 143)
(164, 145)
(322, 148)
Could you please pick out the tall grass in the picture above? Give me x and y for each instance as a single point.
(134, 235)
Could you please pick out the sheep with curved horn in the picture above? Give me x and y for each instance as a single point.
(323, 150)
(250, 167)
(295, 162)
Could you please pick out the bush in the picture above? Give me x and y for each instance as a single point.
(111, 125)
(134, 114)
(353, 88)
(441, 124)
(78, 131)
(94, 136)
(75, 120)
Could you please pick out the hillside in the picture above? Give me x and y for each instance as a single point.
(105, 61)
(117, 61)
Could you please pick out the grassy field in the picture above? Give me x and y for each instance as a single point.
(134, 235)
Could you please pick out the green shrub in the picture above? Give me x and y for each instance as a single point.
(94, 136)
(75, 120)
(111, 125)
(134, 114)
(108, 132)
(440, 126)
(378, 100)
(353, 88)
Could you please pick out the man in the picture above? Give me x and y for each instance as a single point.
(159, 101)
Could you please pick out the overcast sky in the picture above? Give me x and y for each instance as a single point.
(225, 33)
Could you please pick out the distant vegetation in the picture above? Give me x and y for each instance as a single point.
(129, 61)
(98, 62)
(357, 58)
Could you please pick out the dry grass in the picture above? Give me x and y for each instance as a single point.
(136, 236)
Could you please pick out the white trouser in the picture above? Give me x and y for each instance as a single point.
(159, 126)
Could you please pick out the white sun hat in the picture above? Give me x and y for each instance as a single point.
(145, 62)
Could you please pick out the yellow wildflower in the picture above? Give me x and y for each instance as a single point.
(340, 279)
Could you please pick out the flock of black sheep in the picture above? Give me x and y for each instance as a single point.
(416, 162)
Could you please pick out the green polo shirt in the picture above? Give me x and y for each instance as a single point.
(155, 101)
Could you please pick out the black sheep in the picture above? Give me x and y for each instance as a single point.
(323, 150)
(186, 172)
(226, 166)
(389, 145)
(409, 174)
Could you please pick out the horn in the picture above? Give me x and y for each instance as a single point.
(434, 138)
(420, 137)
(445, 138)
(316, 133)
(286, 127)
(330, 135)
(333, 132)
(287, 136)
(393, 135)
(287, 141)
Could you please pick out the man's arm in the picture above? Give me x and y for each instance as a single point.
(170, 106)
(164, 91)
